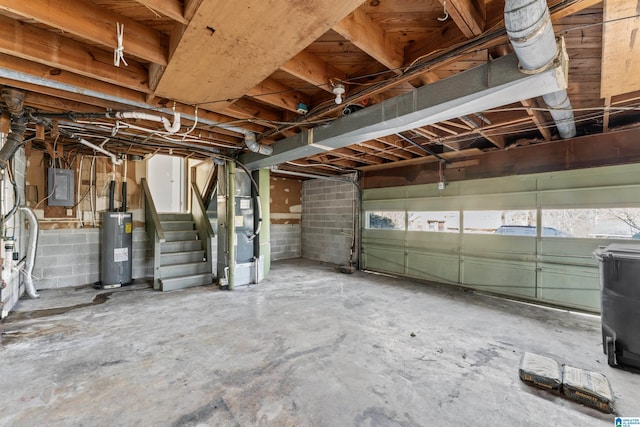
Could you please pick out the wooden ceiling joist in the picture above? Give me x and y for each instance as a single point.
(93, 23)
(169, 8)
(313, 70)
(220, 29)
(536, 115)
(34, 44)
(620, 48)
(467, 14)
(370, 37)
(273, 92)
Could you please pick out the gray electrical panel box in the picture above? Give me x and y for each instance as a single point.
(60, 185)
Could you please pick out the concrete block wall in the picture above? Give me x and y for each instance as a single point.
(71, 257)
(15, 227)
(286, 241)
(327, 220)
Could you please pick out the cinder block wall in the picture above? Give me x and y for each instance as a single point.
(286, 241)
(15, 227)
(327, 220)
(285, 216)
(71, 257)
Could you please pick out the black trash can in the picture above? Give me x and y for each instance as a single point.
(620, 303)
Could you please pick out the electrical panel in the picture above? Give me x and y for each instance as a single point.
(60, 186)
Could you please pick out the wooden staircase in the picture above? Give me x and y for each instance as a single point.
(183, 259)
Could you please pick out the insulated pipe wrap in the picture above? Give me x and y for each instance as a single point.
(255, 146)
(528, 25)
(560, 109)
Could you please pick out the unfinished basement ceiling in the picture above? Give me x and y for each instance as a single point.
(256, 66)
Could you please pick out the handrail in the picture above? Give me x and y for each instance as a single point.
(151, 215)
(199, 210)
(202, 222)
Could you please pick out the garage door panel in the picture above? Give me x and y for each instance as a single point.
(496, 275)
(384, 259)
(569, 285)
(433, 266)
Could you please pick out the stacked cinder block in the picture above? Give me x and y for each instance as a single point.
(286, 241)
(71, 257)
(327, 220)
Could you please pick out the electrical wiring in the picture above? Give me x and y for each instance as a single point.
(419, 65)
(53, 159)
(321, 165)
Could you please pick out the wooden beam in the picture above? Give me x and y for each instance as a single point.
(444, 129)
(222, 48)
(279, 95)
(402, 146)
(313, 70)
(536, 115)
(369, 150)
(497, 140)
(45, 47)
(423, 160)
(620, 48)
(91, 22)
(380, 148)
(82, 84)
(5, 122)
(49, 148)
(455, 146)
(40, 132)
(574, 8)
(567, 154)
(448, 35)
(467, 15)
(190, 8)
(353, 154)
(605, 116)
(169, 8)
(251, 110)
(369, 36)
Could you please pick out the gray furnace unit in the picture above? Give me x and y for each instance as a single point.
(116, 249)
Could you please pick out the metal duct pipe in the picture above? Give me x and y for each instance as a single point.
(255, 146)
(15, 103)
(31, 250)
(528, 25)
(14, 100)
(14, 139)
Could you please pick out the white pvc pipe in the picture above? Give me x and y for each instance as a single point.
(114, 159)
(170, 128)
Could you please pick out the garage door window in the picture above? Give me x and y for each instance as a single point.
(385, 220)
(434, 221)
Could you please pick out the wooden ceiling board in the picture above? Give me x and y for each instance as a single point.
(620, 48)
(218, 59)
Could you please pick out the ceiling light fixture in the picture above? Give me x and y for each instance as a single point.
(338, 90)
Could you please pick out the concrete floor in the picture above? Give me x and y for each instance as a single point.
(307, 347)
